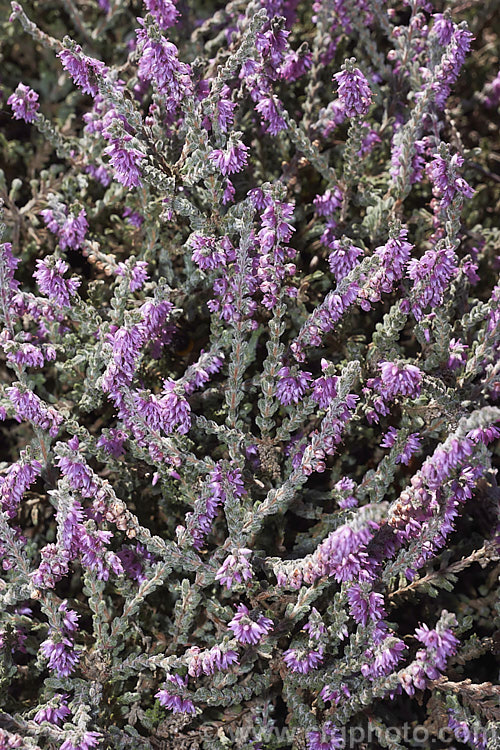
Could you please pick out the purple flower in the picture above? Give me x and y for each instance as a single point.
(72, 233)
(132, 560)
(137, 272)
(492, 91)
(112, 440)
(315, 626)
(389, 438)
(49, 276)
(100, 174)
(271, 44)
(431, 275)
(302, 660)
(210, 661)
(327, 204)
(163, 11)
(24, 103)
(443, 28)
(324, 391)
(365, 605)
(172, 698)
(160, 65)
(236, 568)
(8, 265)
(484, 435)
(225, 109)
(295, 64)
(345, 488)
(30, 356)
(55, 714)
(383, 659)
(341, 554)
(125, 163)
(199, 372)
(15, 482)
(417, 159)
(213, 495)
(399, 379)
(466, 734)
(458, 355)
(85, 742)
(394, 256)
(329, 737)
(268, 108)
(83, 70)
(54, 565)
(247, 629)
(452, 63)
(234, 159)
(291, 388)
(70, 228)
(175, 412)
(60, 655)
(343, 258)
(370, 139)
(353, 90)
(445, 182)
(29, 406)
(133, 217)
(169, 413)
(334, 696)
(229, 193)
(74, 467)
(208, 252)
(440, 643)
(411, 446)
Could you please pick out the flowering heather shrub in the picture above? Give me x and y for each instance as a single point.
(250, 331)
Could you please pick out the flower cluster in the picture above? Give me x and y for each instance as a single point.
(249, 332)
(172, 698)
(49, 277)
(69, 227)
(24, 103)
(59, 648)
(353, 89)
(248, 627)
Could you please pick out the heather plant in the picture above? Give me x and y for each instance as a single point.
(250, 331)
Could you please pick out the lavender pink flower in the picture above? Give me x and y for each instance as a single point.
(236, 568)
(24, 103)
(159, 64)
(164, 12)
(291, 388)
(353, 90)
(85, 741)
(302, 660)
(173, 696)
(343, 258)
(431, 275)
(249, 627)
(209, 661)
(232, 160)
(28, 406)
(329, 737)
(55, 713)
(49, 276)
(84, 70)
(125, 162)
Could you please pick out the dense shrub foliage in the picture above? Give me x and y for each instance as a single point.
(250, 332)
